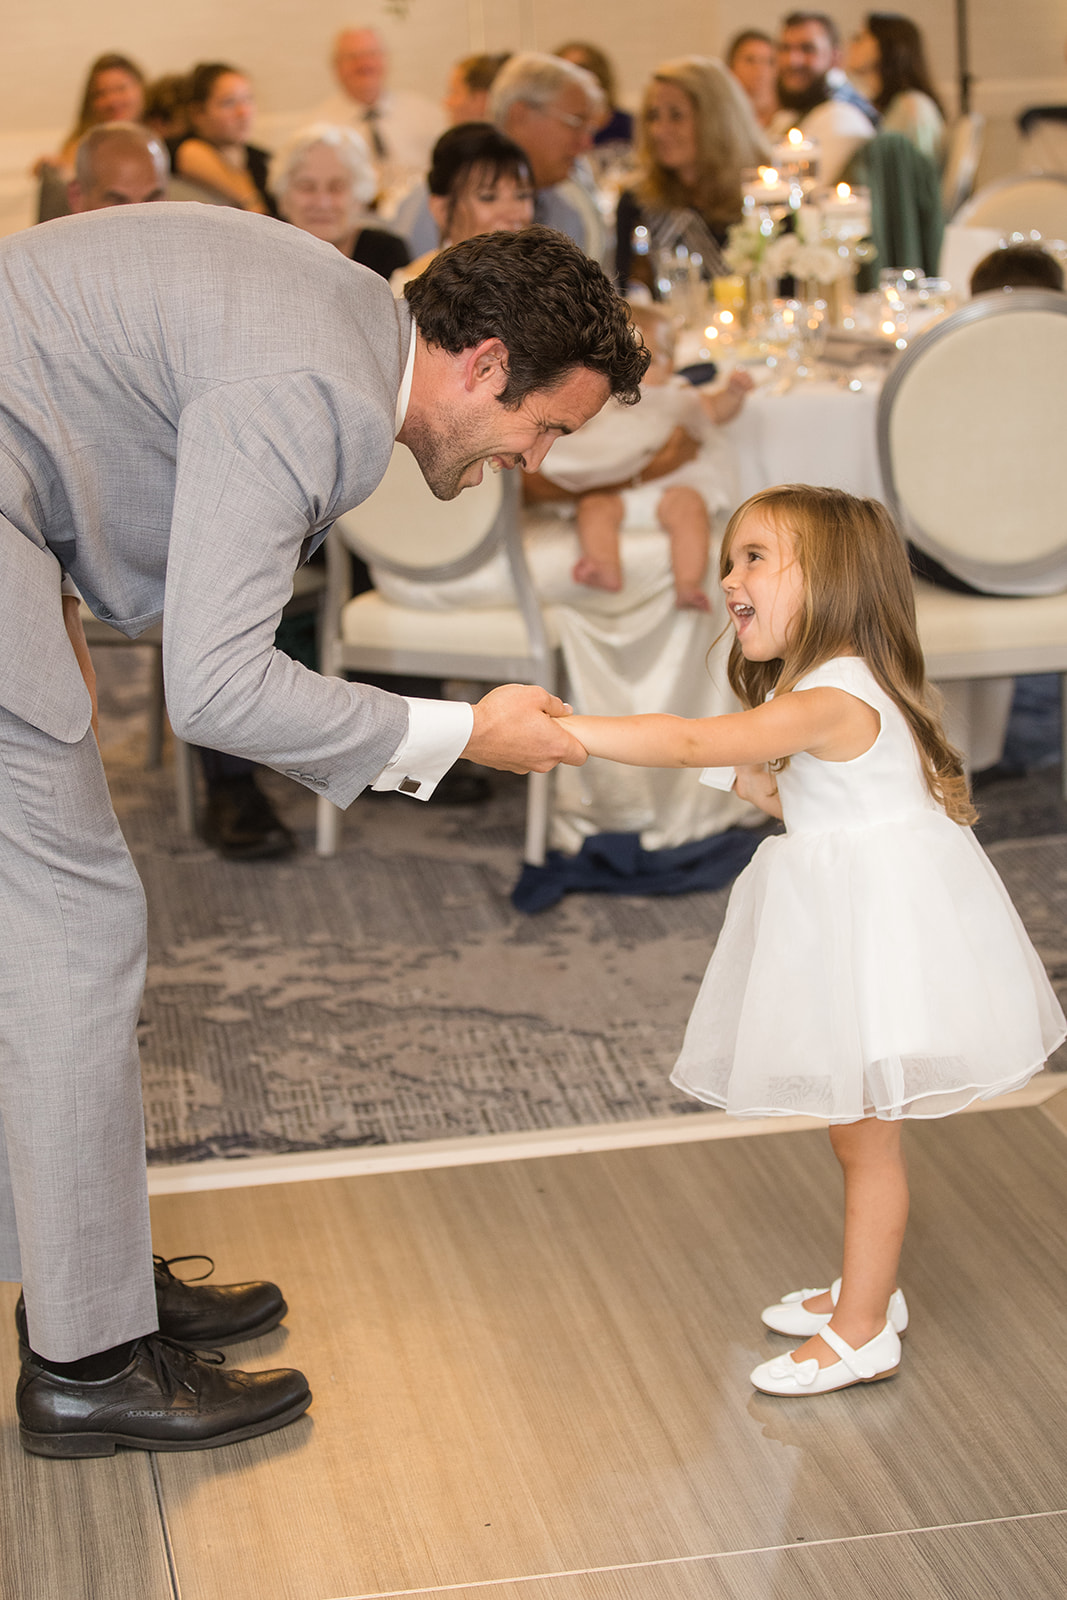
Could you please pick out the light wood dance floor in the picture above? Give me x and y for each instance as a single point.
(530, 1383)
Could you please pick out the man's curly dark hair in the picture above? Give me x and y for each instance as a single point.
(543, 298)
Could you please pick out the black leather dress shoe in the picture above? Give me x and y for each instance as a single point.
(206, 1314)
(201, 1314)
(241, 824)
(167, 1398)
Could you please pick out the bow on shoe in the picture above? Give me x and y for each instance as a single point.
(802, 1372)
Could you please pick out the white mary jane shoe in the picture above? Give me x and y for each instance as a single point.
(790, 1317)
(878, 1358)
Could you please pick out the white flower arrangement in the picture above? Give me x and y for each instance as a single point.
(817, 262)
(757, 244)
(747, 243)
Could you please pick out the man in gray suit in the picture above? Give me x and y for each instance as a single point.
(190, 397)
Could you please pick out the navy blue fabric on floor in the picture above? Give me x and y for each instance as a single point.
(615, 863)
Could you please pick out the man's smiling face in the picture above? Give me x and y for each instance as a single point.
(464, 433)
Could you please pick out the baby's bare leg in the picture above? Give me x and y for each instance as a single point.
(599, 518)
(684, 516)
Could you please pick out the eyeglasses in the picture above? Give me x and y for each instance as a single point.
(569, 119)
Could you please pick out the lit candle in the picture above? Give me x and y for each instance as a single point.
(770, 188)
(846, 215)
(796, 156)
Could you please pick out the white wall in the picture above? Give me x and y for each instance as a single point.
(1017, 51)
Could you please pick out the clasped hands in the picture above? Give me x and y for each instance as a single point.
(516, 729)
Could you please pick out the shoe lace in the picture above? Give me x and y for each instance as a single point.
(164, 1265)
(176, 1365)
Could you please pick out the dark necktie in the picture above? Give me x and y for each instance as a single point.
(374, 133)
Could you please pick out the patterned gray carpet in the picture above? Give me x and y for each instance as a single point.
(393, 993)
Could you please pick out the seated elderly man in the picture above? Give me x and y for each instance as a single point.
(551, 109)
(399, 125)
(815, 95)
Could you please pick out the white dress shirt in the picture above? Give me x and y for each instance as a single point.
(438, 730)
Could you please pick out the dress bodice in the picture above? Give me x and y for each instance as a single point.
(884, 784)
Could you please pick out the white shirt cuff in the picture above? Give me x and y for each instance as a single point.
(719, 777)
(438, 733)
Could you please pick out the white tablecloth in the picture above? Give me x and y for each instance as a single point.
(819, 431)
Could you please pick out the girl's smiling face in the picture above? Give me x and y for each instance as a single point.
(764, 587)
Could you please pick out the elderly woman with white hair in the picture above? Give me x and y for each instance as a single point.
(323, 181)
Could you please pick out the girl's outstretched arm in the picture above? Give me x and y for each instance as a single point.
(829, 722)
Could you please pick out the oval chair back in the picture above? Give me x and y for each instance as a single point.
(403, 527)
(1034, 203)
(970, 436)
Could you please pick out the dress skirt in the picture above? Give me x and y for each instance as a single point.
(872, 971)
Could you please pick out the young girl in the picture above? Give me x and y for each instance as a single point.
(871, 966)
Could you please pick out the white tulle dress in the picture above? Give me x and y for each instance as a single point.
(871, 962)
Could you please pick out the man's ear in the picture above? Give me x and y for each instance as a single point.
(487, 363)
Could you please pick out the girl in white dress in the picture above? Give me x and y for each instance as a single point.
(871, 966)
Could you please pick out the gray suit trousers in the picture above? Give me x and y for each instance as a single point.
(73, 1195)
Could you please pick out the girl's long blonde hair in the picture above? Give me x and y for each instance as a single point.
(858, 600)
(728, 139)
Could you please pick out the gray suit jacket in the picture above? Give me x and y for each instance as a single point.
(188, 398)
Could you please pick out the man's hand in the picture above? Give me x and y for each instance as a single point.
(72, 621)
(515, 730)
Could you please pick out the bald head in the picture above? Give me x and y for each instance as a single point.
(360, 64)
(118, 164)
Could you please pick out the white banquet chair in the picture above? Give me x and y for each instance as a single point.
(965, 140)
(970, 439)
(307, 596)
(1035, 202)
(412, 540)
(101, 634)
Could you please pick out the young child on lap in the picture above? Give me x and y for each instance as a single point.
(603, 464)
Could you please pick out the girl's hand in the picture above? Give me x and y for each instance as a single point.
(759, 787)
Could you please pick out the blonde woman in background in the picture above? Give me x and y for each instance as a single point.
(696, 133)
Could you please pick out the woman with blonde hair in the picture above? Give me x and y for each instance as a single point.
(696, 133)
